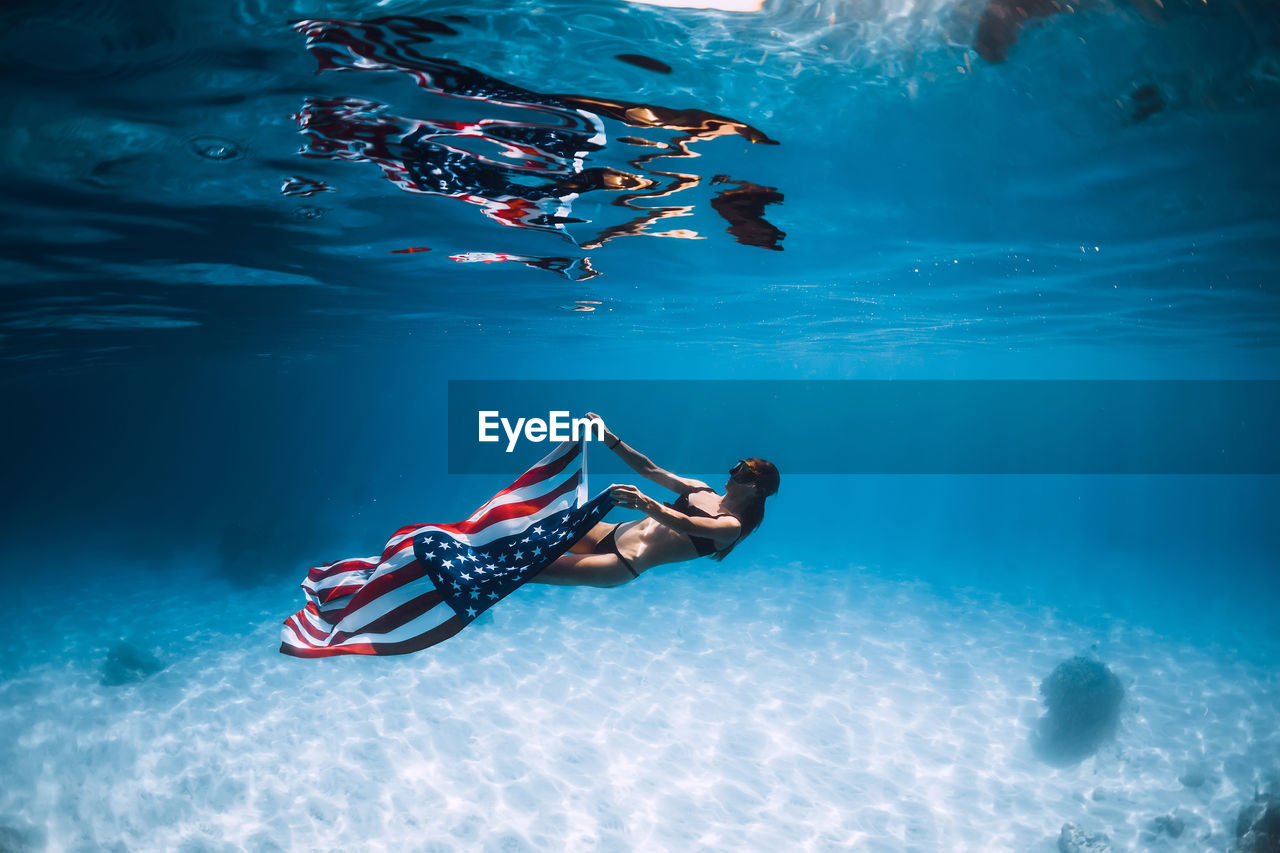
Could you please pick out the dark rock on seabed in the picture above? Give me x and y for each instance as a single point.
(1193, 778)
(126, 664)
(1073, 839)
(1082, 700)
(1167, 826)
(1258, 826)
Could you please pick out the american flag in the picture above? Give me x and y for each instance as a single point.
(432, 580)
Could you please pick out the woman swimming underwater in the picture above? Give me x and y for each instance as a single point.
(432, 580)
(698, 523)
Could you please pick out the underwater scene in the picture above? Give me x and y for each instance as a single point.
(920, 364)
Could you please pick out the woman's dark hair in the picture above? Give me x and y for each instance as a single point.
(764, 476)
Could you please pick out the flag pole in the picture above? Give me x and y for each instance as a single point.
(583, 491)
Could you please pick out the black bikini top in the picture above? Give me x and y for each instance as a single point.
(704, 545)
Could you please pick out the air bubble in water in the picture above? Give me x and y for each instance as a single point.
(215, 148)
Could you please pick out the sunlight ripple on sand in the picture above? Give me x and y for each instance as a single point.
(773, 711)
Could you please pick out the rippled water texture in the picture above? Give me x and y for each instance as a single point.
(814, 174)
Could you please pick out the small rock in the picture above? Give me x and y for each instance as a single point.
(1193, 778)
(1168, 825)
(127, 663)
(1073, 839)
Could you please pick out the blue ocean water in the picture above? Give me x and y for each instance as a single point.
(247, 246)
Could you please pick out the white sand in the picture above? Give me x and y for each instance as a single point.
(740, 712)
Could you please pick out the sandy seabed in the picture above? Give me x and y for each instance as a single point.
(757, 710)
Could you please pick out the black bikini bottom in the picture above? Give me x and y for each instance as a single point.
(608, 544)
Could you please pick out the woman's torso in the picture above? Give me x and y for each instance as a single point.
(646, 543)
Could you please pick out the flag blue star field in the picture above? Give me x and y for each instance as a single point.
(432, 580)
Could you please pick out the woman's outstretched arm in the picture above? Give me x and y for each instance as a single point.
(643, 465)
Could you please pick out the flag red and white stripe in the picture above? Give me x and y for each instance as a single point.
(409, 598)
